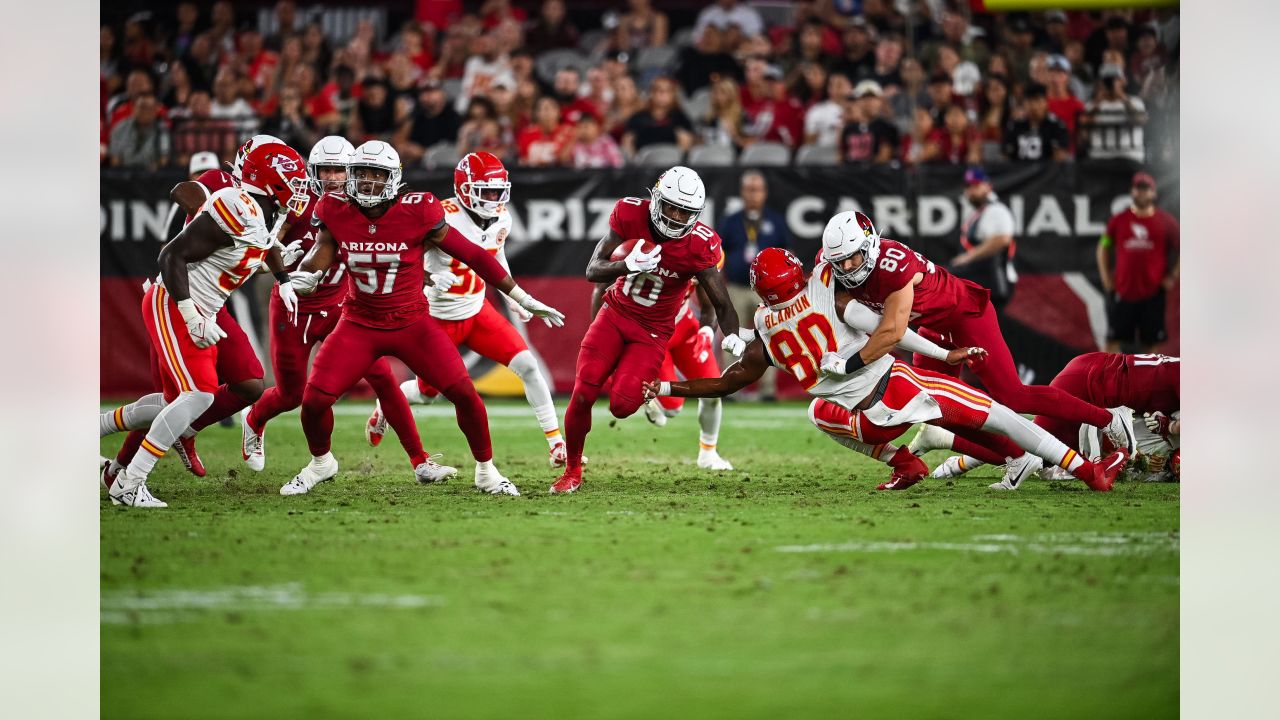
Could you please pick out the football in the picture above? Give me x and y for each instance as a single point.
(622, 251)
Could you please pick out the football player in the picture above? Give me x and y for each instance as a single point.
(381, 236)
(295, 334)
(628, 337)
(456, 295)
(904, 287)
(803, 329)
(215, 253)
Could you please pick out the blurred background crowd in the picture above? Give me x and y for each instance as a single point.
(593, 84)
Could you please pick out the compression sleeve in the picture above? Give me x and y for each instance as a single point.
(862, 318)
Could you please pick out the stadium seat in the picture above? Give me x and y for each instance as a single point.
(660, 154)
(591, 42)
(817, 155)
(440, 155)
(452, 88)
(699, 104)
(682, 37)
(765, 153)
(552, 61)
(991, 152)
(712, 155)
(660, 58)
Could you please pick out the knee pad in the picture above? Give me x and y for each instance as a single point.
(523, 364)
(626, 397)
(829, 417)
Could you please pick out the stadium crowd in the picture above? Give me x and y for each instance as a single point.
(825, 81)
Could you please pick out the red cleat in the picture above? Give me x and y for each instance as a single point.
(376, 427)
(907, 470)
(571, 480)
(108, 477)
(1106, 470)
(186, 449)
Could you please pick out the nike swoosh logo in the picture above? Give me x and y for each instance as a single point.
(1115, 462)
(713, 247)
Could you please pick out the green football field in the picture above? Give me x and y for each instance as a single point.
(786, 588)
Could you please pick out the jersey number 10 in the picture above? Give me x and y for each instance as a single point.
(801, 356)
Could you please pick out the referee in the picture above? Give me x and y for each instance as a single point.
(987, 240)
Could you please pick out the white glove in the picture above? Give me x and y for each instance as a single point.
(734, 345)
(640, 262)
(204, 331)
(292, 253)
(832, 364)
(289, 299)
(520, 313)
(444, 280)
(551, 316)
(305, 283)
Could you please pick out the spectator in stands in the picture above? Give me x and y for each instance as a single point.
(315, 47)
(286, 24)
(417, 46)
(453, 57)
(401, 76)
(201, 163)
(640, 27)
(824, 121)
(859, 60)
(290, 59)
(521, 112)
(204, 61)
(319, 105)
(486, 63)
(509, 34)
(960, 143)
(744, 234)
(1146, 58)
(523, 67)
(597, 90)
(1020, 47)
(1144, 240)
(344, 95)
(998, 65)
(227, 105)
(912, 94)
(939, 97)
(986, 240)
(772, 114)
(1113, 35)
(724, 121)
(255, 61)
(730, 13)
(495, 12)
(957, 36)
(109, 61)
(663, 121)
(627, 102)
(141, 140)
(1039, 136)
(704, 61)
(810, 85)
(138, 49)
(883, 16)
(433, 121)
(590, 146)
(176, 88)
(552, 29)
(194, 130)
(186, 27)
(808, 49)
(995, 110)
(483, 132)
(375, 115)
(291, 122)
(1056, 34)
(1038, 68)
(887, 70)
(1063, 101)
(137, 84)
(503, 95)
(567, 91)
(222, 27)
(540, 143)
(1112, 124)
(867, 137)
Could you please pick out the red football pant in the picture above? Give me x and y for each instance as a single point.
(1000, 375)
(685, 354)
(352, 349)
(291, 346)
(487, 333)
(616, 347)
(239, 370)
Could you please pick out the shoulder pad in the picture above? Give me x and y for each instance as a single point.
(234, 211)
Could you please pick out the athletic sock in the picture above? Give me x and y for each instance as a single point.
(538, 394)
(709, 411)
(134, 416)
(165, 429)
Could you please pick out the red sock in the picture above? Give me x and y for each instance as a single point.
(317, 420)
(132, 442)
(473, 419)
(988, 447)
(577, 423)
(225, 404)
(396, 409)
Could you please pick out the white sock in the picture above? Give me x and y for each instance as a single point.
(709, 410)
(538, 393)
(1031, 437)
(410, 389)
(134, 416)
(170, 423)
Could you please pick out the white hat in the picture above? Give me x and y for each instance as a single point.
(202, 161)
(965, 78)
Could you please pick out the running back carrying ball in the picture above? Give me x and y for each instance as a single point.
(622, 251)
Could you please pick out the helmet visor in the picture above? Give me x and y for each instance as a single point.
(673, 219)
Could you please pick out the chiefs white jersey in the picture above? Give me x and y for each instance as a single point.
(466, 297)
(213, 279)
(797, 334)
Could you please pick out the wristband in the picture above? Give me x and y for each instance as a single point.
(518, 295)
(188, 309)
(664, 388)
(282, 277)
(854, 364)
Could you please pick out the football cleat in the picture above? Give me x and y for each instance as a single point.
(560, 455)
(654, 412)
(108, 476)
(433, 472)
(1017, 470)
(931, 437)
(252, 445)
(1056, 473)
(1106, 470)
(952, 467)
(376, 427)
(132, 492)
(489, 480)
(1120, 431)
(709, 459)
(320, 469)
(907, 470)
(186, 450)
(570, 481)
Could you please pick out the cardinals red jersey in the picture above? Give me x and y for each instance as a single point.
(652, 299)
(1145, 383)
(384, 256)
(939, 296)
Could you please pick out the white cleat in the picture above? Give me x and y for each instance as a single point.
(319, 470)
(931, 437)
(654, 411)
(252, 445)
(376, 427)
(489, 480)
(433, 472)
(559, 455)
(136, 495)
(1056, 473)
(1120, 430)
(952, 467)
(711, 460)
(1017, 470)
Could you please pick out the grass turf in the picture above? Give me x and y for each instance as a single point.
(786, 588)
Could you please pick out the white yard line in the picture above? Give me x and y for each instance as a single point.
(168, 606)
(1083, 543)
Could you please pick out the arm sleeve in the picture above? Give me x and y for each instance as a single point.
(860, 317)
(473, 256)
(911, 342)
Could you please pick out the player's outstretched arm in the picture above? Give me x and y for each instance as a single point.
(864, 319)
(601, 269)
(893, 324)
(737, 376)
(712, 281)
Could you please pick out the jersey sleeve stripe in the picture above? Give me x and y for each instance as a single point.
(228, 217)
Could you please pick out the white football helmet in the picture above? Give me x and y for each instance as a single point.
(253, 143)
(331, 151)
(846, 235)
(380, 155)
(680, 189)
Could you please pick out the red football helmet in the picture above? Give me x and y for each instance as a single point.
(776, 275)
(277, 171)
(480, 183)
